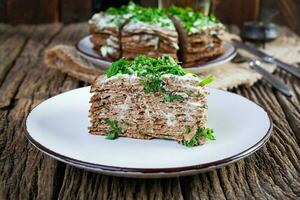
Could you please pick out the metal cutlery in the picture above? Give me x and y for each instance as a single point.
(268, 58)
(272, 79)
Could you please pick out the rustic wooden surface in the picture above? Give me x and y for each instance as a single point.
(273, 172)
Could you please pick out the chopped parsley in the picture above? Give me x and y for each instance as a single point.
(201, 133)
(206, 81)
(193, 21)
(187, 129)
(114, 131)
(169, 97)
(120, 15)
(152, 16)
(139, 13)
(125, 9)
(146, 67)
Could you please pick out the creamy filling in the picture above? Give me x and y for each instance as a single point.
(107, 50)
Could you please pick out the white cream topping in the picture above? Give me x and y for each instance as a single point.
(107, 50)
(183, 94)
(154, 42)
(111, 42)
(131, 78)
(134, 24)
(187, 77)
(171, 119)
(103, 20)
(194, 104)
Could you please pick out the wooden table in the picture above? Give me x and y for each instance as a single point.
(273, 172)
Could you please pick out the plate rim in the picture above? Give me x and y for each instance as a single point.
(150, 171)
(201, 67)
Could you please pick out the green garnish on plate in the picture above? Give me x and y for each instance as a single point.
(114, 131)
(201, 133)
(206, 81)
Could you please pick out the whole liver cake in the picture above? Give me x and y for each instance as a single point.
(188, 36)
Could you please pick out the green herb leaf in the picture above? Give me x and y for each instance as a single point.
(117, 67)
(187, 129)
(169, 97)
(201, 133)
(152, 84)
(114, 131)
(206, 81)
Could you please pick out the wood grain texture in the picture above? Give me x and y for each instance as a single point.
(30, 12)
(75, 10)
(273, 172)
(236, 11)
(289, 9)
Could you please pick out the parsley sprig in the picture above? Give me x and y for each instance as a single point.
(139, 13)
(169, 97)
(201, 133)
(146, 67)
(114, 131)
(206, 81)
(152, 16)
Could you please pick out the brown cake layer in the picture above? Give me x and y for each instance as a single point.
(105, 39)
(207, 53)
(140, 38)
(149, 42)
(147, 116)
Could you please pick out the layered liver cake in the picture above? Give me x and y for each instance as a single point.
(150, 98)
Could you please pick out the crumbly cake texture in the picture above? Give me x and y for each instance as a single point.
(199, 38)
(150, 98)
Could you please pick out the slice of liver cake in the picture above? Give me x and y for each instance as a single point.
(150, 98)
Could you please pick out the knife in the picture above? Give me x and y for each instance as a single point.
(267, 58)
(273, 80)
(270, 78)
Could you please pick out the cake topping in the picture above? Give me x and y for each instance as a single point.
(194, 22)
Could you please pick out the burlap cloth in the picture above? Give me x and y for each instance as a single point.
(227, 76)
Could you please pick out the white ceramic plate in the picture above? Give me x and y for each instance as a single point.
(58, 127)
(85, 49)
